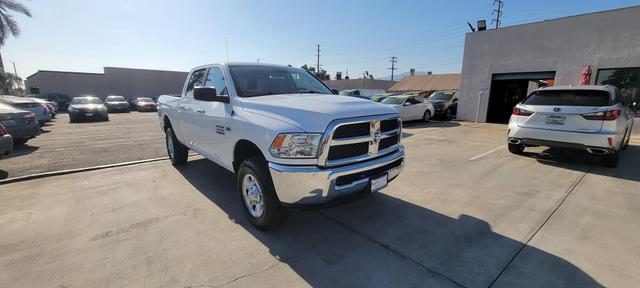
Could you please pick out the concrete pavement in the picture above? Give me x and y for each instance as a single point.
(464, 213)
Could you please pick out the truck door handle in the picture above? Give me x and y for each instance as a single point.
(200, 111)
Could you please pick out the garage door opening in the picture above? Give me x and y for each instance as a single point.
(507, 90)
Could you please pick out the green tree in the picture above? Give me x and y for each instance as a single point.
(323, 75)
(8, 24)
(10, 84)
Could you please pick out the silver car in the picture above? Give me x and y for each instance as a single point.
(596, 119)
(40, 110)
(6, 141)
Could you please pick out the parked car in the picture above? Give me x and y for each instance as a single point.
(411, 107)
(62, 100)
(145, 104)
(40, 110)
(283, 133)
(361, 93)
(116, 104)
(595, 119)
(51, 106)
(380, 97)
(87, 107)
(6, 141)
(21, 124)
(445, 104)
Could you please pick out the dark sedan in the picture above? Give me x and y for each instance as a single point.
(87, 107)
(116, 103)
(22, 125)
(145, 104)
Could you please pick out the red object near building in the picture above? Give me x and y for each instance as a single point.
(585, 76)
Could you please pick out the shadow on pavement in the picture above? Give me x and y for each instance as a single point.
(432, 124)
(463, 251)
(21, 150)
(581, 161)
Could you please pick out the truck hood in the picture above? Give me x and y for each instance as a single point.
(313, 112)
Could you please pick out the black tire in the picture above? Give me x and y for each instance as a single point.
(105, 119)
(71, 120)
(427, 116)
(273, 213)
(625, 142)
(611, 160)
(180, 152)
(448, 115)
(516, 148)
(19, 141)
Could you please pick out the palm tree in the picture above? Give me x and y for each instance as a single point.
(8, 25)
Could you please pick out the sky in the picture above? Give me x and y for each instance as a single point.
(85, 36)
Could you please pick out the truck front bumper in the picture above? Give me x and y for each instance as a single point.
(306, 185)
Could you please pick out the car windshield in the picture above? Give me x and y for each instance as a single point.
(257, 80)
(440, 96)
(86, 100)
(394, 100)
(569, 98)
(145, 100)
(115, 99)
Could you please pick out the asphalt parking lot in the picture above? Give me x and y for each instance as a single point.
(464, 213)
(63, 145)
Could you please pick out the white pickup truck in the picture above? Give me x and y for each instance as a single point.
(283, 133)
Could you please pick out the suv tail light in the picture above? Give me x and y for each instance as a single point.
(603, 116)
(521, 112)
(3, 131)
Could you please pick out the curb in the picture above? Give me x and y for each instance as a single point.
(77, 170)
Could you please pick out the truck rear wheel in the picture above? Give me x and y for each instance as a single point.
(177, 152)
(262, 206)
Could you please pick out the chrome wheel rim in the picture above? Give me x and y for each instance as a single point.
(252, 195)
(170, 144)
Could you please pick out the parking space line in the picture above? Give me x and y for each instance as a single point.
(486, 153)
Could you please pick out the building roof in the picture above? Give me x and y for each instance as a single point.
(347, 84)
(428, 83)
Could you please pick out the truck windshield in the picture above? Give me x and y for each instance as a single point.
(569, 98)
(257, 80)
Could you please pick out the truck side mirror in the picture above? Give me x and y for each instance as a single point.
(335, 91)
(208, 94)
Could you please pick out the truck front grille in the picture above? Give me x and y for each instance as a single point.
(360, 140)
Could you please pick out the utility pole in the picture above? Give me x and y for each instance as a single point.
(318, 60)
(497, 11)
(393, 61)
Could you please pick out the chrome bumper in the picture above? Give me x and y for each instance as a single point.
(314, 185)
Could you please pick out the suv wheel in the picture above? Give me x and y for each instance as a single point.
(611, 160)
(177, 152)
(448, 115)
(262, 206)
(427, 116)
(516, 148)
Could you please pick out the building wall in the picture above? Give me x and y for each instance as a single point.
(127, 82)
(70, 83)
(609, 39)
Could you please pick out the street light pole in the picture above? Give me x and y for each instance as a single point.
(15, 72)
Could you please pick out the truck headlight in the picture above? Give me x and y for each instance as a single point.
(72, 109)
(295, 145)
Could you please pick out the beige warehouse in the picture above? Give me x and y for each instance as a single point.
(128, 82)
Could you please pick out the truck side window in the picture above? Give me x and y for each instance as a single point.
(196, 79)
(215, 78)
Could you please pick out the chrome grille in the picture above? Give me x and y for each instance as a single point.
(355, 140)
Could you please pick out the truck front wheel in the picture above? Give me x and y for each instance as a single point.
(262, 206)
(178, 153)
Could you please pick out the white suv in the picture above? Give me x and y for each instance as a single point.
(596, 119)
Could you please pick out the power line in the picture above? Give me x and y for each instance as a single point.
(393, 61)
(497, 12)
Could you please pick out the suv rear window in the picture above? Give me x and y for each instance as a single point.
(569, 98)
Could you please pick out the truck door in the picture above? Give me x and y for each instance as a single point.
(187, 109)
(213, 117)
